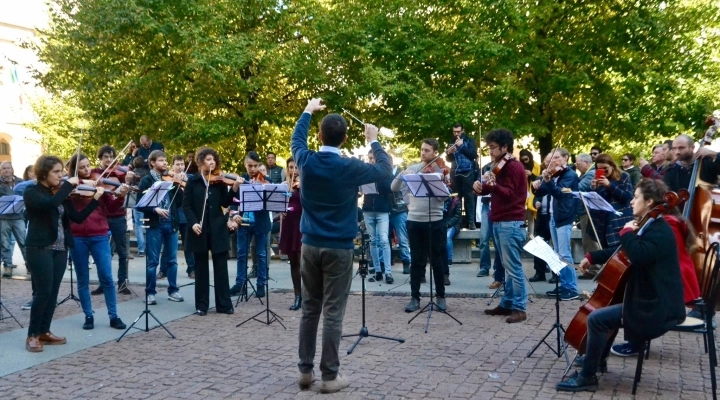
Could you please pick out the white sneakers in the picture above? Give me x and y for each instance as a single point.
(175, 297)
(340, 382)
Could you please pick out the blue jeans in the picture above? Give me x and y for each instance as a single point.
(561, 243)
(450, 235)
(486, 232)
(139, 234)
(398, 222)
(99, 247)
(509, 238)
(244, 235)
(12, 230)
(162, 237)
(378, 224)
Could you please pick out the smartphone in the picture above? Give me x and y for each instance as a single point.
(599, 174)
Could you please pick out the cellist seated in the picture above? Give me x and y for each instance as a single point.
(653, 301)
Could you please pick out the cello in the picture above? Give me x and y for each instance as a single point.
(613, 278)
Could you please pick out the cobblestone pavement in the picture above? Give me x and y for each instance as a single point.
(483, 358)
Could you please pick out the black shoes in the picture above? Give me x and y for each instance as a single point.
(377, 278)
(297, 304)
(200, 313)
(117, 323)
(446, 280)
(578, 383)
(89, 323)
(537, 278)
(389, 279)
(260, 291)
(554, 279)
(237, 290)
(229, 311)
(406, 268)
(97, 291)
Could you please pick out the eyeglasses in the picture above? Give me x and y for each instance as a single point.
(594, 153)
(625, 159)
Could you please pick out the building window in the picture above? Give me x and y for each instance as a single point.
(4, 149)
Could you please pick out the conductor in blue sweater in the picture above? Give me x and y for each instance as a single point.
(329, 226)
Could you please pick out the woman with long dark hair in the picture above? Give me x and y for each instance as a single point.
(207, 226)
(49, 212)
(290, 236)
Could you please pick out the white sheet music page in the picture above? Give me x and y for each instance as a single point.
(277, 197)
(539, 248)
(417, 186)
(596, 202)
(369, 188)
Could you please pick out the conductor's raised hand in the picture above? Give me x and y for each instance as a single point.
(371, 133)
(315, 104)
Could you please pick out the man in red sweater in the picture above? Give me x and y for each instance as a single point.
(115, 212)
(508, 187)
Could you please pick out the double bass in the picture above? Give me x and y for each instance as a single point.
(613, 278)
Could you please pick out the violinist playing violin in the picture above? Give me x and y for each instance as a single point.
(420, 215)
(163, 223)
(115, 212)
(463, 155)
(508, 185)
(558, 181)
(249, 225)
(653, 301)
(90, 237)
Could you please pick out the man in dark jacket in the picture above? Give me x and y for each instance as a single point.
(452, 217)
(376, 213)
(463, 156)
(563, 211)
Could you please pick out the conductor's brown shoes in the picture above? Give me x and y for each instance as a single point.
(50, 339)
(517, 316)
(499, 311)
(33, 345)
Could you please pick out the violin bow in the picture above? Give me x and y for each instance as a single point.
(77, 154)
(207, 189)
(176, 192)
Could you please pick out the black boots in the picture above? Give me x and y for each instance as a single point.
(297, 304)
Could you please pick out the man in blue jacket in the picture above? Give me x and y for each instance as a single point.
(329, 226)
(464, 156)
(563, 209)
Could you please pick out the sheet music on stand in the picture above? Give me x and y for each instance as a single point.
(259, 197)
(12, 204)
(369, 188)
(595, 202)
(539, 248)
(426, 185)
(154, 195)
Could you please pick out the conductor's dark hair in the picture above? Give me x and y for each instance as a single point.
(502, 137)
(334, 129)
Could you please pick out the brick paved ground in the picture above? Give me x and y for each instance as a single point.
(482, 359)
(16, 292)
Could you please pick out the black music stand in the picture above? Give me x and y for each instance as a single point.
(428, 185)
(263, 197)
(151, 198)
(363, 271)
(547, 254)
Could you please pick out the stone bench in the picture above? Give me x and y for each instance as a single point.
(462, 246)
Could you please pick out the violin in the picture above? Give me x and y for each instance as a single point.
(218, 177)
(555, 172)
(501, 164)
(613, 276)
(169, 176)
(259, 178)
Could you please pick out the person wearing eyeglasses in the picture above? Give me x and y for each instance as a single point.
(628, 165)
(655, 169)
(615, 187)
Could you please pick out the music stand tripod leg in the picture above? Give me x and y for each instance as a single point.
(71, 296)
(362, 271)
(267, 311)
(557, 327)
(2, 307)
(147, 313)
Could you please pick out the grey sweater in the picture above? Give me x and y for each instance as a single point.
(418, 209)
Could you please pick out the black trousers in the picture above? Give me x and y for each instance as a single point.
(420, 251)
(202, 281)
(603, 325)
(118, 230)
(462, 184)
(48, 267)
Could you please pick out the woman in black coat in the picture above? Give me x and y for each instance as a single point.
(208, 231)
(653, 301)
(48, 240)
